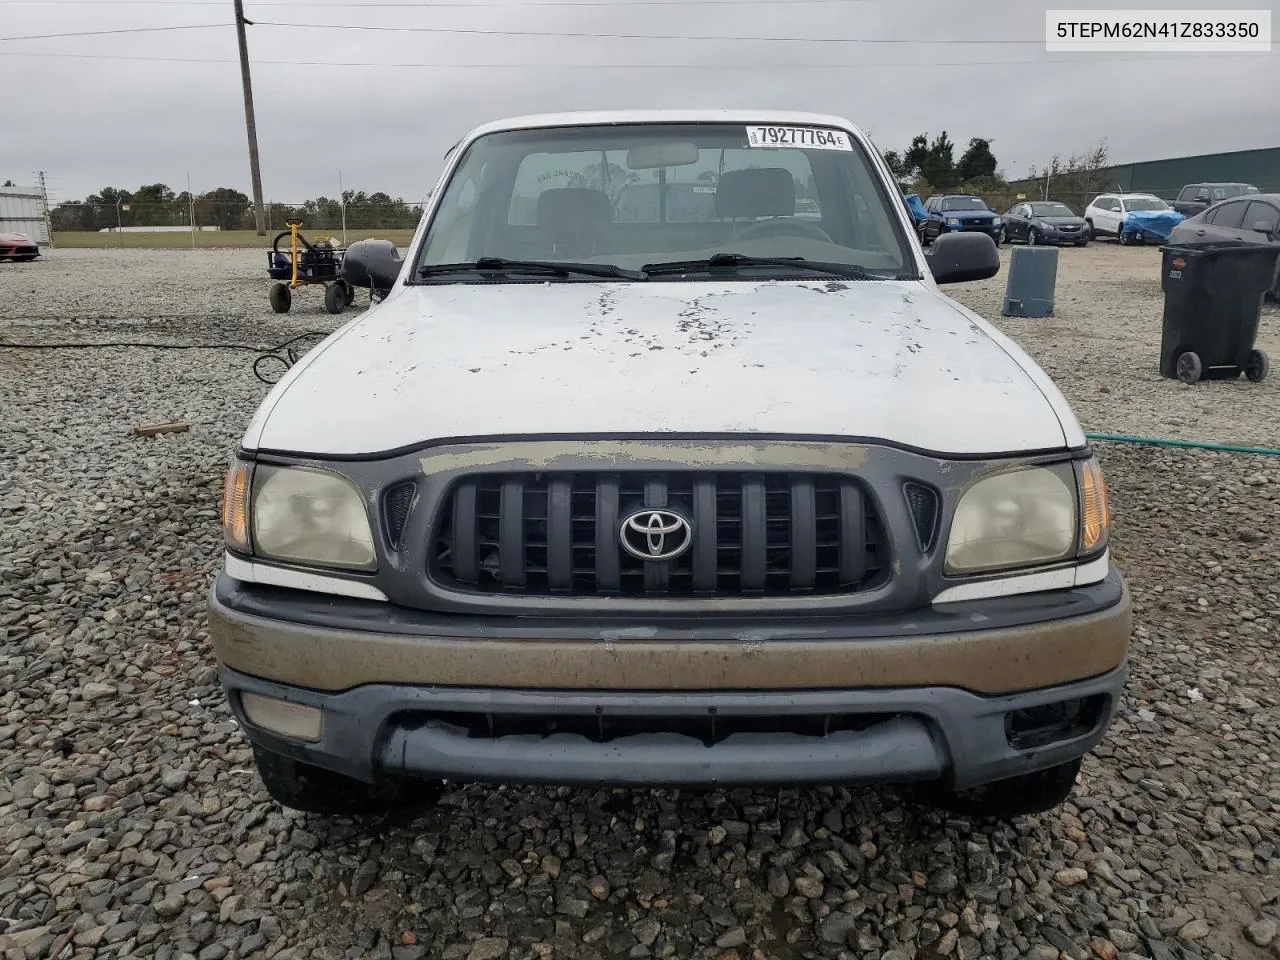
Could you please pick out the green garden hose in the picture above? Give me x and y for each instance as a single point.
(1194, 444)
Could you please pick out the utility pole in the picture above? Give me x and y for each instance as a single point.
(44, 201)
(342, 200)
(250, 124)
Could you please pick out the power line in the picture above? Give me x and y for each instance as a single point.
(451, 4)
(1145, 58)
(626, 36)
(101, 33)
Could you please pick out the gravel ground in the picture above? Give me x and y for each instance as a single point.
(132, 824)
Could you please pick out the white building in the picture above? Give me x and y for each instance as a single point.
(22, 211)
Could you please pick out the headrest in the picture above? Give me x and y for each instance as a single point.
(573, 207)
(762, 192)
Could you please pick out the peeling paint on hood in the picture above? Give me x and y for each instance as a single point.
(888, 360)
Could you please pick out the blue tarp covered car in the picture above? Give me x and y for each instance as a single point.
(913, 203)
(1144, 224)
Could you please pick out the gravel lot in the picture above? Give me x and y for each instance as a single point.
(132, 824)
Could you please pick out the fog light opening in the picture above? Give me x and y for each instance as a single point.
(297, 721)
(1052, 723)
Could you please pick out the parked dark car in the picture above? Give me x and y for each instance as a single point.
(953, 213)
(1197, 197)
(1037, 221)
(1255, 217)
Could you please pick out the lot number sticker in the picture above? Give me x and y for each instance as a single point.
(812, 138)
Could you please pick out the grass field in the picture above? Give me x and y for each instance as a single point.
(222, 239)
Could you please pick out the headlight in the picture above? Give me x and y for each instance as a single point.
(953, 222)
(1030, 516)
(309, 516)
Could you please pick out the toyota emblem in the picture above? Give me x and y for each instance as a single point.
(655, 534)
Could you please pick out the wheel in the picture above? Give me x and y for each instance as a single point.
(1189, 367)
(1088, 230)
(1257, 367)
(1082, 243)
(1121, 238)
(335, 298)
(281, 297)
(311, 789)
(1020, 796)
(924, 237)
(1033, 237)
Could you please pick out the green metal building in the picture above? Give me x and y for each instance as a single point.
(1165, 178)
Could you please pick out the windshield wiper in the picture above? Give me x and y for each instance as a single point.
(498, 266)
(729, 261)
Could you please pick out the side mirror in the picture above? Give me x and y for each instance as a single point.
(963, 257)
(1262, 226)
(372, 263)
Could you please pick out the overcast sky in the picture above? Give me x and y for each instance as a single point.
(91, 123)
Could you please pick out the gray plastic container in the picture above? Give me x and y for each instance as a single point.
(1033, 275)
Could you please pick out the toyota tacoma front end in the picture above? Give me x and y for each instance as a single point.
(715, 495)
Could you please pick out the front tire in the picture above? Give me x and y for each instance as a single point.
(1020, 796)
(281, 297)
(1033, 237)
(335, 298)
(311, 789)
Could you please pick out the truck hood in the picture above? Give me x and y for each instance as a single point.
(880, 360)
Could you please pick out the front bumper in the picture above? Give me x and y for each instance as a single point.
(1063, 237)
(991, 228)
(18, 250)
(937, 696)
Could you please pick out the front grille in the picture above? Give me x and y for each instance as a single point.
(710, 726)
(557, 534)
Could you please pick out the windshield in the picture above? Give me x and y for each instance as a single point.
(1051, 210)
(637, 195)
(1144, 203)
(963, 203)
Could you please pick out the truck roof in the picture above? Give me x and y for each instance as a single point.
(584, 118)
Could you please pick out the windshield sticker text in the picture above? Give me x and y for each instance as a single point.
(812, 138)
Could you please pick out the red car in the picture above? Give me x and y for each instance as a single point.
(18, 247)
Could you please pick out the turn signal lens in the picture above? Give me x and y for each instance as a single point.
(1095, 510)
(235, 506)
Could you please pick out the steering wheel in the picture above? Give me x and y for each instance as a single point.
(781, 226)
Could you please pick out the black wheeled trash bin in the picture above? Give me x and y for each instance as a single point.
(1212, 301)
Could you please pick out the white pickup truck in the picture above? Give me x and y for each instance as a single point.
(738, 497)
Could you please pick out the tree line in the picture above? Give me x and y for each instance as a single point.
(157, 205)
(930, 166)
